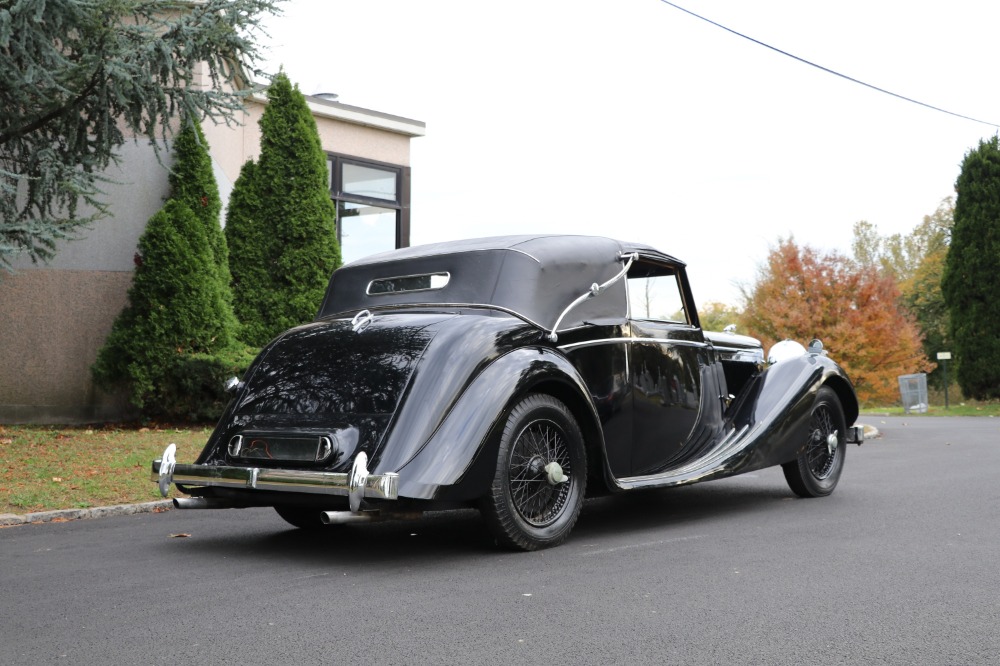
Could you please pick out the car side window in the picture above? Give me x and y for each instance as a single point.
(654, 293)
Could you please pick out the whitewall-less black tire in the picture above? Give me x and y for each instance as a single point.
(817, 470)
(541, 475)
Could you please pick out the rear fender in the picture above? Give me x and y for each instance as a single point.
(457, 463)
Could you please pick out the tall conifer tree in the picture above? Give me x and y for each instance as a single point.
(193, 182)
(280, 224)
(971, 281)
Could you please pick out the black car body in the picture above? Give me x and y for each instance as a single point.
(517, 374)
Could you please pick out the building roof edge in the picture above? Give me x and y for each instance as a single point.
(357, 115)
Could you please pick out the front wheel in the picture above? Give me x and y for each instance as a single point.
(541, 476)
(816, 471)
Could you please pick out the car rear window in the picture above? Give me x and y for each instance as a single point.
(395, 285)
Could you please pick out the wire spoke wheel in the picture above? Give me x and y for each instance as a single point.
(536, 499)
(819, 455)
(817, 469)
(540, 477)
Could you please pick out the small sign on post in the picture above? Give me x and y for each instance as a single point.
(944, 357)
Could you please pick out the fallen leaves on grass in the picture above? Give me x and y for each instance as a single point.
(46, 468)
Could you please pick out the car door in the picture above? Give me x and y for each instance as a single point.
(668, 369)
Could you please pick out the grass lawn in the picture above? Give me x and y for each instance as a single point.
(44, 468)
(954, 409)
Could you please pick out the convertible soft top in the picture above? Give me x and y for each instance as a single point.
(535, 277)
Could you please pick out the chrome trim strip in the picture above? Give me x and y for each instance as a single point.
(741, 354)
(736, 350)
(668, 341)
(632, 340)
(376, 259)
(378, 486)
(732, 443)
(593, 343)
(440, 306)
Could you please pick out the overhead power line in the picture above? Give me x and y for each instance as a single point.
(828, 70)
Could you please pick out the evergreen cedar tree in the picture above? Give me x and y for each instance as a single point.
(79, 78)
(971, 282)
(177, 310)
(280, 222)
(854, 310)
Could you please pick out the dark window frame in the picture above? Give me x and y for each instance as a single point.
(401, 205)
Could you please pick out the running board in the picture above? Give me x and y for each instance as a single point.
(711, 463)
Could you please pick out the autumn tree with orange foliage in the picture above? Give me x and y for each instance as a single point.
(801, 294)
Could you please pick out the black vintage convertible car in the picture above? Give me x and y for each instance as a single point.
(516, 374)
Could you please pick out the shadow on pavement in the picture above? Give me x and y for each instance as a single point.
(439, 536)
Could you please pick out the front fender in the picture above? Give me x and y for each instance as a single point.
(777, 408)
(458, 461)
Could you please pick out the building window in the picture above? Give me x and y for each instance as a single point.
(373, 205)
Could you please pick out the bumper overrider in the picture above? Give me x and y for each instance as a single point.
(357, 484)
(856, 435)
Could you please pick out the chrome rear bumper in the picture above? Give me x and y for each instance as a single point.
(356, 485)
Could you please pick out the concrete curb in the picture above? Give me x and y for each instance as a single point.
(871, 432)
(10, 519)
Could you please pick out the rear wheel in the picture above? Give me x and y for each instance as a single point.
(816, 471)
(541, 475)
(304, 519)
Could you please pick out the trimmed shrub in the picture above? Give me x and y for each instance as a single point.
(280, 225)
(177, 310)
(193, 390)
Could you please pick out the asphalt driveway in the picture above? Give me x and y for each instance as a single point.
(898, 566)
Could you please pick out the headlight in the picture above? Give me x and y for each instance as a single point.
(784, 350)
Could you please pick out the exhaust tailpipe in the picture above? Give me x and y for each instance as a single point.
(206, 503)
(349, 517)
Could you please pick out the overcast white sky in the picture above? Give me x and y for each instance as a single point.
(632, 119)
